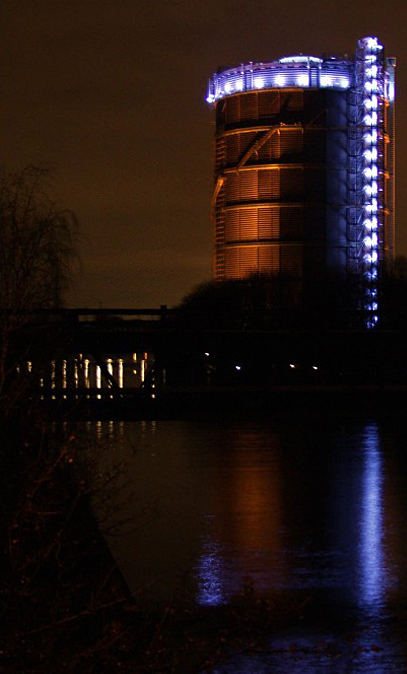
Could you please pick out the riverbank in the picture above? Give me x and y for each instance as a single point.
(195, 402)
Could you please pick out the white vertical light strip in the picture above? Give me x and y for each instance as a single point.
(373, 170)
(86, 372)
(109, 366)
(98, 380)
(99, 430)
(64, 368)
(120, 372)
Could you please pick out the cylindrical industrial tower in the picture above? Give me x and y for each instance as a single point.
(304, 167)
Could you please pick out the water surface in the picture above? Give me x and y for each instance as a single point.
(307, 507)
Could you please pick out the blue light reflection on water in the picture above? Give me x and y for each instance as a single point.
(315, 507)
(373, 572)
(376, 649)
(210, 570)
(299, 658)
(218, 577)
(372, 649)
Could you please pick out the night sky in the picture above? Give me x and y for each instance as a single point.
(109, 94)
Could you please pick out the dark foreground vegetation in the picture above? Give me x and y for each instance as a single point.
(60, 589)
(64, 604)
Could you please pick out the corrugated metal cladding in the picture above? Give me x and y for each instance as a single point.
(390, 165)
(269, 183)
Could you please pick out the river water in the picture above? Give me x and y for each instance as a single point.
(312, 508)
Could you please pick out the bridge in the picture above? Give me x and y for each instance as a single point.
(112, 354)
(84, 351)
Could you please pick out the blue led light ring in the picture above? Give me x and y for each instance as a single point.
(312, 72)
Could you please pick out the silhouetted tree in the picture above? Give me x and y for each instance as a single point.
(36, 243)
(60, 590)
(255, 303)
(37, 249)
(266, 302)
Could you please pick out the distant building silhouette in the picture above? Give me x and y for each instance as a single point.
(304, 167)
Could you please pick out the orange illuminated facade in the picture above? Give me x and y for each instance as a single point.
(268, 201)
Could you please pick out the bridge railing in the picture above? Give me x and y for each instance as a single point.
(97, 315)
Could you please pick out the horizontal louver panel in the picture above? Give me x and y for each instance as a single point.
(232, 149)
(232, 263)
(232, 188)
(291, 260)
(269, 104)
(241, 262)
(314, 184)
(248, 224)
(291, 224)
(236, 146)
(252, 185)
(232, 228)
(242, 225)
(251, 224)
(314, 145)
(269, 223)
(269, 259)
(270, 149)
(291, 184)
(261, 105)
(268, 185)
(295, 100)
(232, 110)
(248, 260)
(248, 107)
(248, 185)
(291, 141)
